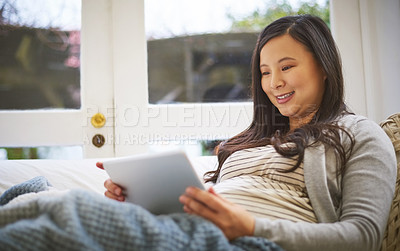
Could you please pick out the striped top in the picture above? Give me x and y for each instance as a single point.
(250, 178)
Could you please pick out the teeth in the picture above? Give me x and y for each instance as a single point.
(285, 96)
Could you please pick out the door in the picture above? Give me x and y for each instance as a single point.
(56, 123)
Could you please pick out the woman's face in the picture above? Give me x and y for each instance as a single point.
(292, 78)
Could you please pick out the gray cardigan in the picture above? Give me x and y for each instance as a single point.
(352, 210)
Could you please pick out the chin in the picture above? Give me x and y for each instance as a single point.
(286, 113)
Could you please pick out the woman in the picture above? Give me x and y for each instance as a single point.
(307, 174)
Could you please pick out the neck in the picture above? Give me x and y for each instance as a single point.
(296, 122)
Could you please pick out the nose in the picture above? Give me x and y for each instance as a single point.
(277, 84)
(277, 81)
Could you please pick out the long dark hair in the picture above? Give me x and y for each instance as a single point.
(269, 126)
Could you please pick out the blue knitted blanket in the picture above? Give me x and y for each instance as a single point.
(82, 220)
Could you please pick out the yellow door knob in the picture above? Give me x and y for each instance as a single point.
(98, 120)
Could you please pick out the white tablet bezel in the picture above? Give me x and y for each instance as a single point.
(154, 180)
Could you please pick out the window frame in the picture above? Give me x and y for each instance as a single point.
(114, 82)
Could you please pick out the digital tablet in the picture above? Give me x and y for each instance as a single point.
(154, 180)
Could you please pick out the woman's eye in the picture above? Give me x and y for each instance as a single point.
(285, 68)
(265, 73)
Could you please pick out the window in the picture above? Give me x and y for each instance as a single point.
(144, 105)
(40, 54)
(199, 56)
(44, 64)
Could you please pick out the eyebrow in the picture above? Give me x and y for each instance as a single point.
(280, 60)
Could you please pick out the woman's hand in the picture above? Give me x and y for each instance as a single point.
(232, 219)
(113, 190)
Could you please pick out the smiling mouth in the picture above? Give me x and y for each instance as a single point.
(285, 95)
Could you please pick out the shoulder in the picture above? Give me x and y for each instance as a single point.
(365, 140)
(361, 127)
(352, 120)
(369, 138)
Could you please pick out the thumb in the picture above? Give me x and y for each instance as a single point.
(100, 165)
(212, 191)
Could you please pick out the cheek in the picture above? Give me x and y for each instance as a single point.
(265, 87)
(267, 91)
(295, 80)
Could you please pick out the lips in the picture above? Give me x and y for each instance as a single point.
(284, 97)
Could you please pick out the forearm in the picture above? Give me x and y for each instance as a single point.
(293, 236)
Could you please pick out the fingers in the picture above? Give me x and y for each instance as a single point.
(207, 205)
(113, 190)
(209, 198)
(233, 220)
(100, 165)
(200, 202)
(192, 206)
(110, 195)
(211, 190)
(187, 209)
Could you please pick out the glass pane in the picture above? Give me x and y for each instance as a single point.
(43, 152)
(200, 51)
(40, 54)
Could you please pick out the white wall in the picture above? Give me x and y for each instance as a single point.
(387, 21)
(368, 36)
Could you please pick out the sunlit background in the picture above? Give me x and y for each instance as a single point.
(198, 51)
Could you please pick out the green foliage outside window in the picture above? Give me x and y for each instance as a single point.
(259, 19)
(22, 153)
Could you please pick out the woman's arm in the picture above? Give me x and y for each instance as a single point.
(367, 192)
